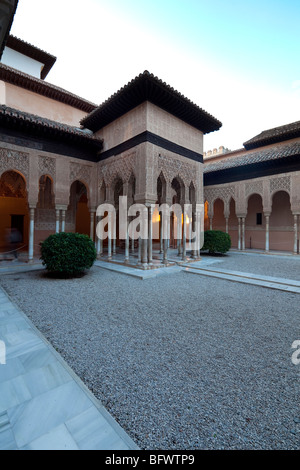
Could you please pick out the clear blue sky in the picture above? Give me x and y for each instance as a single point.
(237, 59)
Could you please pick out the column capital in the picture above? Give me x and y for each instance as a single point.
(61, 207)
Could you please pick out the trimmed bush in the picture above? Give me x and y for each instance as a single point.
(68, 254)
(216, 241)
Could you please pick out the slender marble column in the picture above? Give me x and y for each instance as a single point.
(126, 260)
(267, 232)
(161, 249)
(57, 221)
(139, 251)
(150, 233)
(99, 245)
(243, 233)
(109, 255)
(92, 224)
(31, 234)
(199, 232)
(144, 245)
(179, 233)
(239, 233)
(63, 220)
(227, 226)
(194, 226)
(132, 243)
(295, 234)
(114, 237)
(184, 238)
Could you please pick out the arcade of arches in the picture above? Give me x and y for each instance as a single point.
(54, 175)
(263, 220)
(46, 205)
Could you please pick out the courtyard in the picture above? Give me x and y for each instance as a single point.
(180, 361)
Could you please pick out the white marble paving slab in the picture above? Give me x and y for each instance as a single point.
(245, 280)
(13, 368)
(42, 401)
(7, 440)
(21, 342)
(46, 378)
(38, 358)
(92, 431)
(57, 439)
(39, 415)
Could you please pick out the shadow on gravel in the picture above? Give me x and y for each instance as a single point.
(50, 275)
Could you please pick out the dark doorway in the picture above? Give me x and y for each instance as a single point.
(17, 222)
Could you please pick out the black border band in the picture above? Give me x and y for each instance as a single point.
(153, 139)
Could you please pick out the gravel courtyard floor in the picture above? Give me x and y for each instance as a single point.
(180, 361)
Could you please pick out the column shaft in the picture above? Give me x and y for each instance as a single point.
(267, 232)
(57, 220)
(63, 220)
(31, 234)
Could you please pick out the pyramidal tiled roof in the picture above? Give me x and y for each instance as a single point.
(147, 87)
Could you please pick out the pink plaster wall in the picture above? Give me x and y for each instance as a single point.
(33, 103)
(149, 117)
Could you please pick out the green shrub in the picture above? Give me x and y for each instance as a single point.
(68, 254)
(216, 241)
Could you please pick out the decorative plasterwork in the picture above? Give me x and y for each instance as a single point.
(282, 183)
(81, 173)
(122, 167)
(12, 160)
(47, 166)
(224, 193)
(172, 168)
(254, 187)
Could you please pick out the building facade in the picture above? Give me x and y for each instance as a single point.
(62, 156)
(254, 193)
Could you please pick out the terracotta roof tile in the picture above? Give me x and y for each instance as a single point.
(257, 156)
(19, 119)
(277, 134)
(147, 87)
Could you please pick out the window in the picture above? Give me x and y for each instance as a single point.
(259, 218)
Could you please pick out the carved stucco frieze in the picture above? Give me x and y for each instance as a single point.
(47, 166)
(172, 168)
(282, 183)
(12, 160)
(254, 187)
(121, 167)
(80, 172)
(225, 193)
